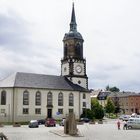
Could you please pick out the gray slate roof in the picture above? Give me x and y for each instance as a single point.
(103, 95)
(30, 80)
(121, 94)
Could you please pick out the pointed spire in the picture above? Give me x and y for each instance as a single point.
(73, 25)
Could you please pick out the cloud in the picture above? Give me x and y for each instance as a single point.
(18, 52)
(31, 39)
(14, 34)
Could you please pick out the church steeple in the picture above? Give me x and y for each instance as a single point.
(73, 40)
(73, 65)
(73, 25)
(73, 33)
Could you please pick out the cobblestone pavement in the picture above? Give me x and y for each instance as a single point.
(106, 131)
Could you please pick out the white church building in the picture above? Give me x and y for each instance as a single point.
(26, 96)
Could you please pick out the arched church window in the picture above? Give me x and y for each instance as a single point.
(49, 98)
(3, 97)
(71, 99)
(60, 99)
(38, 98)
(25, 97)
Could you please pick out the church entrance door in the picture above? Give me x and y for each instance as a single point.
(49, 113)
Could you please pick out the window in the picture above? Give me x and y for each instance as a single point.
(38, 98)
(60, 99)
(84, 110)
(71, 111)
(25, 98)
(79, 82)
(2, 111)
(49, 98)
(60, 111)
(25, 110)
(65, 69)
(3, 97)
(38, 111)
(71, 99)
(84, 96)
(84, 104)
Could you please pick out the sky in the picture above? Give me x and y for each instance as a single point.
(31, 34)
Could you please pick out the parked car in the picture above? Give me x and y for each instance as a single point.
(133, 123)
(50, 122)
(41, 121)
(86, 120)
(121, 117)
(126, 117)
(62, 122)
(33, 124)
(134, 115)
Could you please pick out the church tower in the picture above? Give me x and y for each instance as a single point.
(73, 65)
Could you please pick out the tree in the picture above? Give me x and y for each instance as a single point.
(99, 112)
(94, 104)
(110, 107)
(107, 88)
(97, 109)
(87, 113)
(116, 104)
(112, 89)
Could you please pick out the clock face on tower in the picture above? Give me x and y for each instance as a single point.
(78, 69)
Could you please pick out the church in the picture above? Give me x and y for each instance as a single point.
(28, 96)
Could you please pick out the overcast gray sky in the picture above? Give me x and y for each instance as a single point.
(31, 33)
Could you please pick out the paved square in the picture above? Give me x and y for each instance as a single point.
(106, 131)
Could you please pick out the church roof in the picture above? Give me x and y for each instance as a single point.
(30, 80)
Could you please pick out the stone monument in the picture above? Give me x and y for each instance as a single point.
(70, 125)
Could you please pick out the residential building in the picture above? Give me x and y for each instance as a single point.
(129, 102)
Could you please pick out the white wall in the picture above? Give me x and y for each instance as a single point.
(18, 104)
(65, 69)
(19, 96)
(6, 116)
(83, 81)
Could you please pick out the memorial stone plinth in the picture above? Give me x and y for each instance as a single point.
(70, 125)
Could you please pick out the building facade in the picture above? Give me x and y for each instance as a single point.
(26, 96)
(128, 102)
(102, 97)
